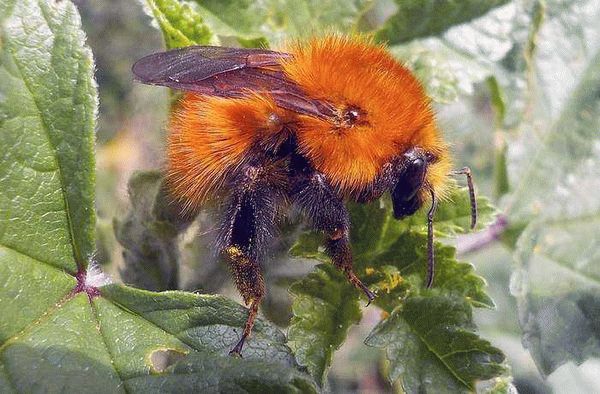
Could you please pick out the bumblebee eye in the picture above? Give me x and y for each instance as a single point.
(412, 179)
(405, 194)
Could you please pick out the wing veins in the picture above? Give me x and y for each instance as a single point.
(229, 72)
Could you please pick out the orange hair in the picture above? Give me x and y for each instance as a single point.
(211, 136)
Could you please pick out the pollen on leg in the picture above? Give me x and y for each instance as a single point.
(233, 251)
(237, 256)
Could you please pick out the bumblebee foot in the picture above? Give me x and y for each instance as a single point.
(370, 295)
(237, 349)
(358, 284)
(252, 312)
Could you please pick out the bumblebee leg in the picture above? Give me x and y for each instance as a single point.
(341, 256)
(326, 212)
(249, 224)
(250, 283)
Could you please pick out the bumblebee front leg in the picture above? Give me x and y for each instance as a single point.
(326, 212)
(249, 224)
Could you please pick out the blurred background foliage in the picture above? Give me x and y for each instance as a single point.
(516, 86)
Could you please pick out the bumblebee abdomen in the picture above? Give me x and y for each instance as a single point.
(212, 137)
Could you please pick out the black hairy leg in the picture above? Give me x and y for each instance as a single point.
(326, 212)
(383, 182)
(249, 223)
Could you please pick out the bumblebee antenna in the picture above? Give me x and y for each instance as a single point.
(430, 251)
(467, 172)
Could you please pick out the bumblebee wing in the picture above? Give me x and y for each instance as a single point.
(228, 72)
(194, 64)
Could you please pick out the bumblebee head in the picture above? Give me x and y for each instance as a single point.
(412, 184)
(410, 187)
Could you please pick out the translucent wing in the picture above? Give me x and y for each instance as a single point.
(228, 72)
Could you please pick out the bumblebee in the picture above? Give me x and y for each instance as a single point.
(325, 121)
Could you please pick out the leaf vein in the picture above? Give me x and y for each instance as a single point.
(12, 248)
(439, 357)
(105, 343)
(41, 319)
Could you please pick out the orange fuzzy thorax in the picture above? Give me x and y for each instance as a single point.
(211, 136)
(397, 113)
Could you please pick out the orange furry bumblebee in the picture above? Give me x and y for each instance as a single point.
(322, 122)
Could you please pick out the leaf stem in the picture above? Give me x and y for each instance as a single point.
(473, 242)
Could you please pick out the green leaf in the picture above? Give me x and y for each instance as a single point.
(198, 22)
(498, 45)
(305, 18)
(432, 346)
(400, 269)
(409, 256)
(181, 24)
(47, 110)
(445, 74)
(557, 285)
(558, 134)
(374, 229)
(204, 323)
(562, 159)
(199, 372)
(65, 323)
(151, 258)
(65, 349)
(324, 308)
(420, 18)
(562, 327)
(509, 34)
(378, 241)
(555, 167)
(125, 336)
(251, 23)
(240, 19)
(389, 257)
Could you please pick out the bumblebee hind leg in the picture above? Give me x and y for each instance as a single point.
(249, 225)
(250, 283)
(326, 212)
